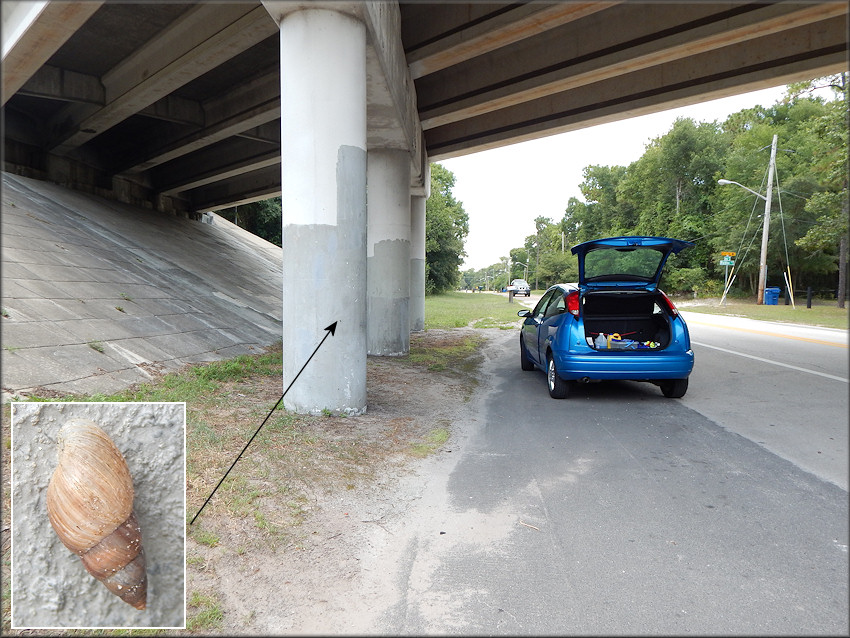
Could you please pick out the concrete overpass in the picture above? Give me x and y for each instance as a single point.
(199, 106)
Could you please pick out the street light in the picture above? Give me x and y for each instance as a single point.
(724, 182)
(763, 257)
(526, 269)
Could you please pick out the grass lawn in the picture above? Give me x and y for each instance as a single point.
(485, 310)
(822, 313)
(478, 310)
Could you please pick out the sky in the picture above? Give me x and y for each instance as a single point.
(503, 190)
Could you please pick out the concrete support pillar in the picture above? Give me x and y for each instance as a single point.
(417, 263)
(388, 256)
(323, 168)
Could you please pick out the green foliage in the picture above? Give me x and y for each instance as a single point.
(263, 218)
(446, 227)
(683, 280)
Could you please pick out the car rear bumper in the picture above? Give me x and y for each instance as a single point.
(624, 365)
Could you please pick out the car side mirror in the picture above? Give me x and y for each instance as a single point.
(524, 313)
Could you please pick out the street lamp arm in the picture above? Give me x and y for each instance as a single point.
(724, 182)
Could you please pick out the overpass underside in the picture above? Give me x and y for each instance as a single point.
(340, 106)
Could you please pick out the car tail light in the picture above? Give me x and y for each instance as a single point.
(572, 303)
(673, 310)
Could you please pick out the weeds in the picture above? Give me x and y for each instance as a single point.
(209, 614)
(433, 442)
(96, 346)
(205, 537)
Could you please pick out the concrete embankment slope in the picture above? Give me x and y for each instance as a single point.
(97, 295)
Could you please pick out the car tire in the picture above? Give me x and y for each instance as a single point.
(524, 361)
(558, 388)
(674, 388)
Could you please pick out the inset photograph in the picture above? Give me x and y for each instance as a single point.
(98, 515)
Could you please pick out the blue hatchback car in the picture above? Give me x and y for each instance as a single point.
(614, 324)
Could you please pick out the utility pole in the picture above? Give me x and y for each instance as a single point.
(768, 197)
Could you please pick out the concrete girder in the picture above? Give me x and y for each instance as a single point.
(34, 31)
(710, 75)
(268, 133)
(391, 85)
(241, 188)
(207, 35)
(217, 167)
(241, 109)
(497, 89)
(65, 85)
(501, 29)
(57, 83)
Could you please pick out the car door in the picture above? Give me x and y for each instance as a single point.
(551, 322)
(531, 326)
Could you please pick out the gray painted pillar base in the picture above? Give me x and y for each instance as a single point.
(417, 263)
(388, 256)
(323, 171)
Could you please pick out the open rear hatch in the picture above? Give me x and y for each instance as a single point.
(621, 306)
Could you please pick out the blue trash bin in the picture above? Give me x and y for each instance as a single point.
(771, 296)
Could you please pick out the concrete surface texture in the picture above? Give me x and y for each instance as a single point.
(50, 586)
(97, 295)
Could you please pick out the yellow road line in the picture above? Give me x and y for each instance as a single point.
(769, 334)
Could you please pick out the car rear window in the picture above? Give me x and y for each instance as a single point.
(633, 262)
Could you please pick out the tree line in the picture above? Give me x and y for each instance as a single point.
(672, 190)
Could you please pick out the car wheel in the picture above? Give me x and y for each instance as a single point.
(674, 388)
(558, 388)
(524, 361)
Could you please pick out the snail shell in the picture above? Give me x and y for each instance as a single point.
(90, 505)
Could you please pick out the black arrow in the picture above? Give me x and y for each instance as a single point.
(331, 329)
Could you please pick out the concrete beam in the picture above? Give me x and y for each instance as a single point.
(205, 37)
(33, 32)
(500, 29)
(63, 84)
(726, 29)
(216, 168)
(243, 188)
(391, 84)
(242, 109)
(707, 76)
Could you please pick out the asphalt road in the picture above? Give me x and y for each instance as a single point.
(618, 511)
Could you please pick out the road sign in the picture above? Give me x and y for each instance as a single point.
(727, 253)
(727, 261)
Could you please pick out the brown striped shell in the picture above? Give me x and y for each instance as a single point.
(90, 506)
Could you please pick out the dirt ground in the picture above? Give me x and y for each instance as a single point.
(303, 583)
